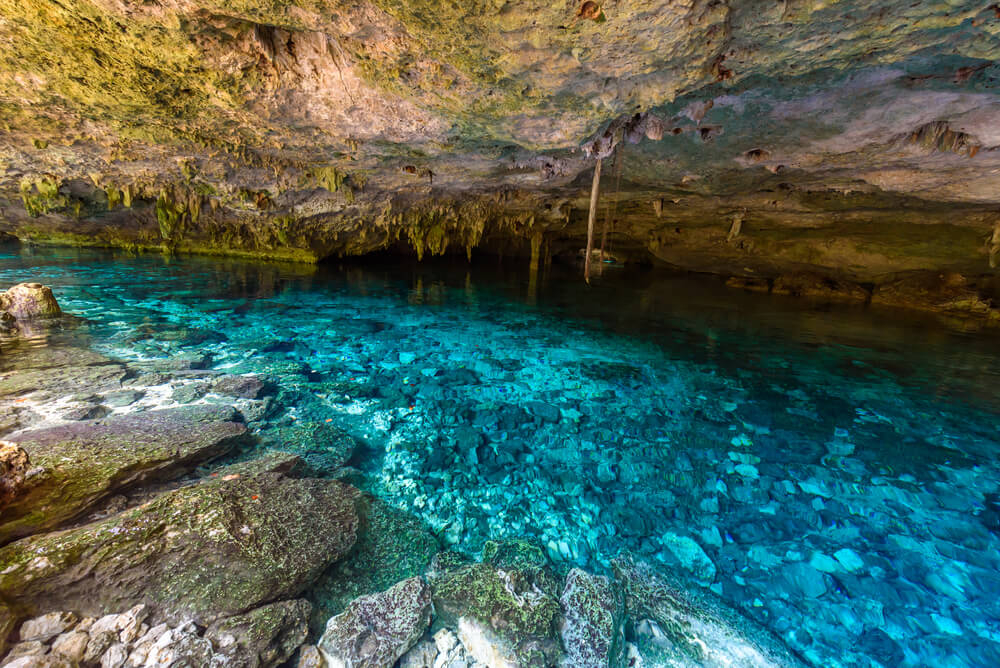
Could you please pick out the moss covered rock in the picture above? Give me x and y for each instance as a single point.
(592, 631)
(264, 637)
(392, 546)
(83, 463)
(204, 552)
(375, 630)
(504, 617)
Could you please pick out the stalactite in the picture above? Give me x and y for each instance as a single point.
(594, 192)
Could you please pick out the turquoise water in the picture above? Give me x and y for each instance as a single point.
(829, 471)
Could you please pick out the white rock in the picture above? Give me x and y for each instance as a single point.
(421, 655)
(71, 645)
(30, 648)
(115, 657)
(48, 626)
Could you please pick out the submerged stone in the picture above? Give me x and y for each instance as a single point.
(698, 629)
(83, 463)
(376, 629)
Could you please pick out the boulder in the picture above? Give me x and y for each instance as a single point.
(264, 637)
(593, 630)
(14, 467)
(202, 552)
(27, 301)
(695, 627)
(505, 617)
(47, 626)
(68, 380)
(85, 462)
(375, 630)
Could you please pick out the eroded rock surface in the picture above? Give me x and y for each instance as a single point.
(202, 552)
(376, 629)
(856, 140)
(694, 628)
(85, 462)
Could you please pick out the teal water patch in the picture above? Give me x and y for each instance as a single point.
(831, 472)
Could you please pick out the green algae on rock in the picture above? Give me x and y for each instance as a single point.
(502, 617)
(392, 546)
(203, 552)
(84, 463)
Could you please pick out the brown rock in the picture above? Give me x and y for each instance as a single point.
(27, 301)
(14, 466)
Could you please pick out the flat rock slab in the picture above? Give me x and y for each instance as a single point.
(52, 383)
(84, 462)
(201, 552)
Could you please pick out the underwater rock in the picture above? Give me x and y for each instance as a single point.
(391, 546)
(244, 387)
(323, 446)
(14, 467)
(264, 637)
(593, 627)
(375, 630)
(202, 552)
(85, 462)
(695, 628)
(504, 617)
(27, 301)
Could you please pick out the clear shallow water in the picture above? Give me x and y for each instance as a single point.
(830, 472)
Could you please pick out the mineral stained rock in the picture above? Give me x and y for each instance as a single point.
(592, 629)
(28, 301)
(85, 462)
(376, 629)
(202, 552)
(853, 139)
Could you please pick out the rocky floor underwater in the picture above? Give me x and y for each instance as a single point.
(644, 475)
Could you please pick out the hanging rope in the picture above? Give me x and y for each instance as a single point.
(607, 213)
(619, 160)
(594, 192)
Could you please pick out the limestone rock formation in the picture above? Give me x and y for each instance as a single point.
(855, 140)
(14, 469)
(27, 301)
(504, 616)
(375, 630)
(202, 552)
(85, 462)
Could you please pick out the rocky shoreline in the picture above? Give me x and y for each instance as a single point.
(136, 531)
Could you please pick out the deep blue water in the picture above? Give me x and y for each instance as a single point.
(830, 471)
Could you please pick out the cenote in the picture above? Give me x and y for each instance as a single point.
(828, 471)
(511, 334)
